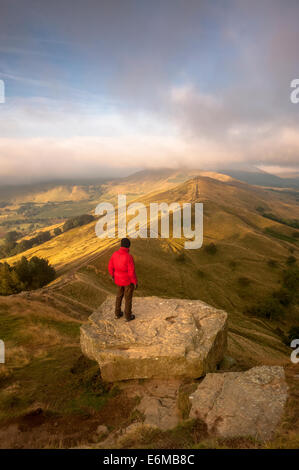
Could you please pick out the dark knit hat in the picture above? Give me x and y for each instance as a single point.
(125, 242)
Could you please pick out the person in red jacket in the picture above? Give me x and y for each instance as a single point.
(122, 270)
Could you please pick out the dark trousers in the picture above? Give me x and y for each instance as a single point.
(127, 292)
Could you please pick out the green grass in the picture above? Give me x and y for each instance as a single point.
(10, 329)
(13, 328)
(67, 328)
(84, 293)
(51, 382)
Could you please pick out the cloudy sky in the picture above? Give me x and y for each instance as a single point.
(101, 87)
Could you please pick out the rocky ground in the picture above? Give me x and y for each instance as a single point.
(168, 338)
(172, 361)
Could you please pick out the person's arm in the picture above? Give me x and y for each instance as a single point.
(111, 267)
(131, 271)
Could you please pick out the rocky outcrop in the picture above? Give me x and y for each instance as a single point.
(241, 404)
(158, 404)
(171, 340)
(168, 338)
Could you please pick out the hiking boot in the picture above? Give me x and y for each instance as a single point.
(131, 317)
(119, 316)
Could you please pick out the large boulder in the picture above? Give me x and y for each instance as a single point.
(168, 338)
(241, 404)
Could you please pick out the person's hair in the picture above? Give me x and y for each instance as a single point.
(125, 242)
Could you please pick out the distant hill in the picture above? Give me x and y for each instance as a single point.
(262, 178)
(55, 191)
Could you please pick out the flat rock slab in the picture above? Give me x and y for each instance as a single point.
(241, 404)
(168, 338)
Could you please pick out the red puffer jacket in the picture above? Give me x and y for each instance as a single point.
(121, 267)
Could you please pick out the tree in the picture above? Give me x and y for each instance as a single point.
(23, 272)
(41, 237)
(57, 231)
(41, 272)
(211, 248)
(270, 308)
(25, 275)
(293, 333)
(77, 221)
(24, 245)
(9, 247)
(291, 260)
(12, 236)
(9, 281)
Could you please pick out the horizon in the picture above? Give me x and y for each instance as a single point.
(89, 180)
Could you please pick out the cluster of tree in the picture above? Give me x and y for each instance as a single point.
(279, 235)
(26, 220)
(274, 305)
(11, 247)
(268, 215)
(24, 207)
(32, 209)
(77, 221)
(9, 222)
(12, 236)
(25, 275)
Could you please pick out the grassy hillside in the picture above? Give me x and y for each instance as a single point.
(44, 369)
